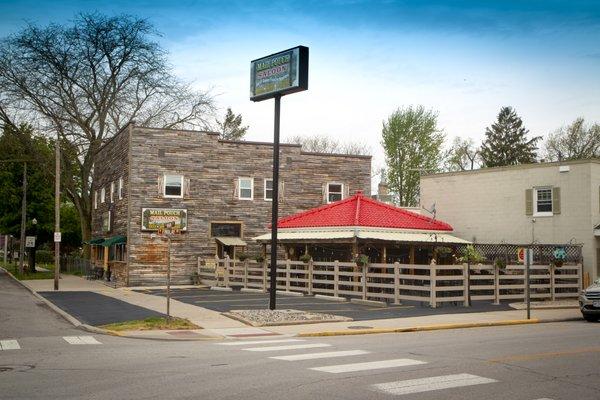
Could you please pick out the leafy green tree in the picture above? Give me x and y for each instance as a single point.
(231, 127)
(506, 141)
(462, 155)
(574, 142)
(412, 143)
(88, 80)
(17, 146)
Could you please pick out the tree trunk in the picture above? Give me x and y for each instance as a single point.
(86, 234)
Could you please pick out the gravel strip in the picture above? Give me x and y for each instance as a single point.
(282, 317)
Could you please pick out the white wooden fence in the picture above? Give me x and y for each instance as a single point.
(433, 284)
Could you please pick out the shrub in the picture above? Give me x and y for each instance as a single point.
(259, 258)
(243, 256)
(305, 258)
(361, 260)
(470, 255)
(44, 256)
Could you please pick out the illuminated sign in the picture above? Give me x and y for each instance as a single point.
(279, 74)
(154, 219)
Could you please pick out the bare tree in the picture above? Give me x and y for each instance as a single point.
(575, 141)
(462, 155)
(85, 82)
(328, 144)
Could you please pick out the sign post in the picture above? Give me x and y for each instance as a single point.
(528, 260)
(274, 76)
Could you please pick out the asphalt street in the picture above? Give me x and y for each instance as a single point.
(544, 361)
(236, 300)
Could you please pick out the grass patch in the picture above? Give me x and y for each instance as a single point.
(152, 323)
(14, 269)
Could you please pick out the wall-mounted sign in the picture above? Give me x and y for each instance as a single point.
(154, 219)
(279, 74)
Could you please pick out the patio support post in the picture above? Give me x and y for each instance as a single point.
(246, 273)
(310, 277)
(264, 265)
(467, 291)
(336, 278)
(496, 285)
(396, 283)
(432, 275)
(364, 281)
(288, 275)
(384, 255)
(226, 272)
(552, 294)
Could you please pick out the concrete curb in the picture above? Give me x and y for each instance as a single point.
(348, 332)
(251, 290)
(372, 303)
(85, 327)
(71, 319)
(331, 298)
(221, 289)
(292, 294)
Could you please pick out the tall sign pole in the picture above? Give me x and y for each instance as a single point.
(274, 76)
(57, 236)
(275, 207)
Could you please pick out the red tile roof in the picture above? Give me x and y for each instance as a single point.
(359, 210)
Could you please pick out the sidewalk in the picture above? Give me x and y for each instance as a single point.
(216, 325)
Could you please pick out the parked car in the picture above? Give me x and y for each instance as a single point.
(589, 302)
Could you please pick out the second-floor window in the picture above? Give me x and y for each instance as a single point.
(95, 199)
(268, 189)
(120, 188)
(173, 186)
(246, 188)
(102, 195)
(112, 192)
(543, 201)
(334, 192)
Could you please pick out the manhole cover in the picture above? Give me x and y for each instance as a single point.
(360, 327)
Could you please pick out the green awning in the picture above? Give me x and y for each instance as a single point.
(95, 241)
(114, 241)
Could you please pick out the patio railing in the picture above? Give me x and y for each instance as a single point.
(393, 283)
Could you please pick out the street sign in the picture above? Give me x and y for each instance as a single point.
(57, 237)
(30, 241)
(521, 254)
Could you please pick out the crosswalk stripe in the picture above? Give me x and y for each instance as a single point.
(81, 340)
(432, 383)
(337, 369)
(9, 345)
(249, 342)
(314, 356)
(290, 347)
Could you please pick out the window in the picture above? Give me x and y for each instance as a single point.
(95, 199)
(268, 189)
(112, 192)
(106, 222)
(173, 186)
(102, 195)
(229, 229)
(543, 201)
(334, 192)
(120, 188)
(246, 188)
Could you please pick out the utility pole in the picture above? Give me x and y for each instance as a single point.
(5, 248)
(57, 215)
(23, 219)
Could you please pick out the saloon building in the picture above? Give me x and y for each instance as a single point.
(216, 193)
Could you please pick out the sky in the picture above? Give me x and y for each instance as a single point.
(463, 59)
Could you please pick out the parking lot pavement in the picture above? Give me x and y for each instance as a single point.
(236, 300)
(96, 309)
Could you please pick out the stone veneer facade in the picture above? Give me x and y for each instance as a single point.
(140, 156)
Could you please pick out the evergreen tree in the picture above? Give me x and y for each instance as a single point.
(506, 141)
(231, 127)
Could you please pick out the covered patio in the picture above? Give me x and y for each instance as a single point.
(360, 225)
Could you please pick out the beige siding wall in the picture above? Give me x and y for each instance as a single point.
(489, 205)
